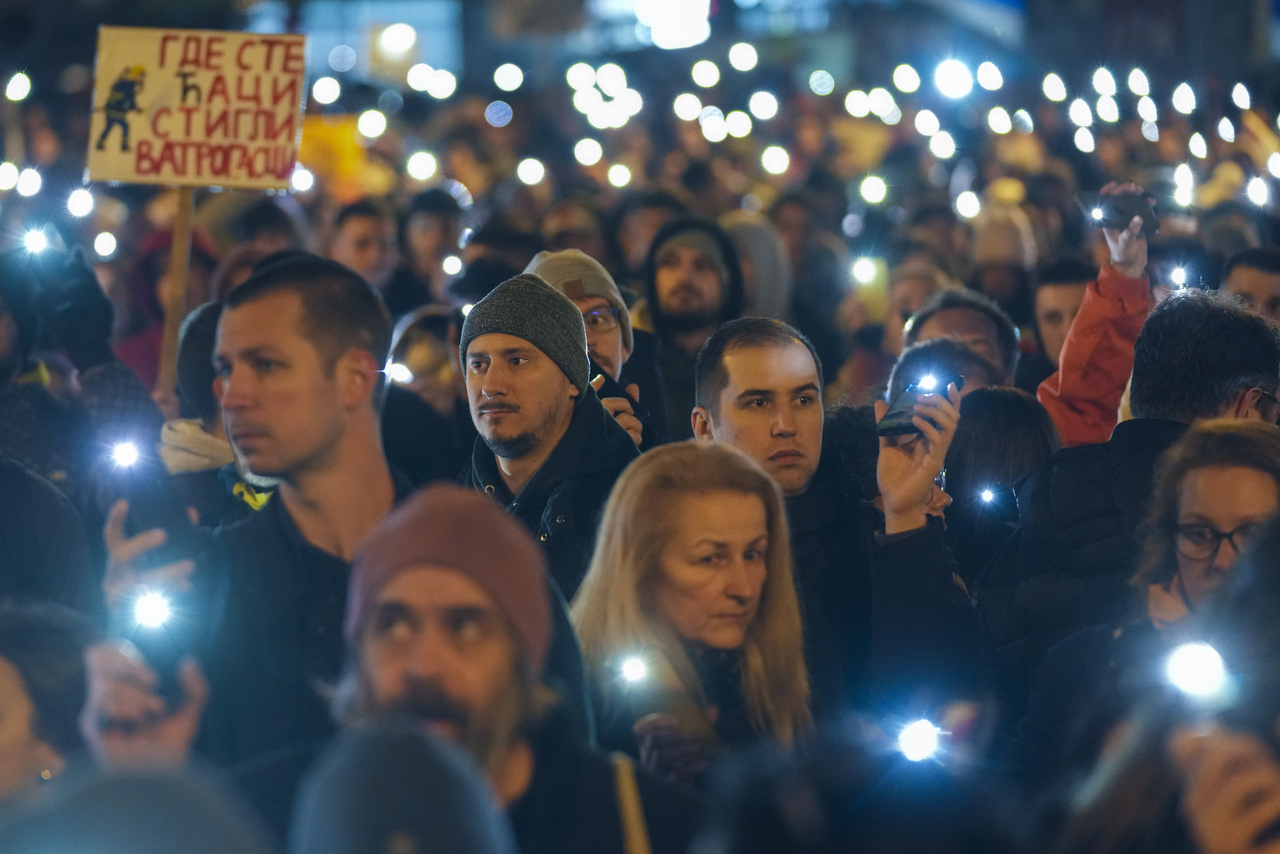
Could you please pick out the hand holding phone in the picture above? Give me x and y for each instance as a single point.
(898, 420)
(1115, 211)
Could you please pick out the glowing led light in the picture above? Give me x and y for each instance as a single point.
(882, 103)
(927, 123)
(988, 496)
(687, 106)
(1138, 83)
(928, 382)
(372, 124)
(1080, 113)
(8, 176)
(942, 145)
(634, 669)
(152, 610)
(498, 114)
(763, 106)
(1178, 276)
(531, 171)
(466, 309)
(421, 166)
(1197, 146)
(80, 203)
(397, 39)
(1196, 669)
(1084, 140)
(893, 116)
(857, 104)
(738, 124)
(919, 741)
(1108, 109)
(611, 79)
(1054, 88)
(743, 57)
(706, 73)
(1240, 96)
(588, 152)
(124, 454)
(104, 244)
(998, 120)
(1147, 108)
(953, 79)
(1183, 196)
(452, 265)
(1183, 176)
(989, 77)
(1151, 131)
(864, 270)
(301, 180)
(619, 175)
(1273, 165)
(508, 77)
(822, 83)
(342, 58)
(775, 160)
(441, 84)
(19, 87)
(29, 182)
(326, 90)
(968, 205)
(675, 24)
(714, 129)
(631, 101)
(35, 241)
(399, 373)
(580, 76)
(1104, 83)
(1096, 213)
(906, 78)
(1184, 100)
(873, 189)
(1022, 121)
(1226, 130)
(1257, 191)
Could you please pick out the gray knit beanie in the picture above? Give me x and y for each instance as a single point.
(577, 275)
(527, 307)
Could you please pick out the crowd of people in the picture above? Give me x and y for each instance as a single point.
(490, 516)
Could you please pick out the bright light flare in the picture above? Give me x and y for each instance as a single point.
(988, 496)
(968, 205)
(928, 382)
(906, 78)
(1104, 83)
(953, 79)
(706, 73)
(105, 244)
(763, 106)
(775, 160)
(998, 120)
(1138, 84)
(611, 79)
(508, 77)
(399, 373)
(452, 265)
(857, 104)
(1273, 165)
(822, 83)
(619, 175)
(580, 76)
(634, 669)
(8, 176)
(152, 610)
(588, 152)
(421, 166)
(1184, 100)
(881, 101)
(942, 145)
(687, 106)
(372, 124)
(927, 123)
(1257, 191)
(1197, 146)
(738, 124)
(1196, 669)
(1178, 276)
(1147, 109)
(873, 189)
(1240, 96)
(743, 57)
(919, 741)
(1079, 113)
(1108, 109)
(301, 180)
(18, 88)
(864, 271)
(29, 182)
(35, 241)
(397, 39)
(1054, 88)
(1226, 130)
(1084, 140)
(989, 77)
(326, 90)
(531, 171)
(124, 454)
(80, 203)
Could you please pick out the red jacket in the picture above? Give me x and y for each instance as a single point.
(1083, 395)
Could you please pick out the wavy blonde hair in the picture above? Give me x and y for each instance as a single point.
(614, 611)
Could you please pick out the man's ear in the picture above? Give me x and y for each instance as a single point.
(701, 418)
(1248, 405)
(357, 373)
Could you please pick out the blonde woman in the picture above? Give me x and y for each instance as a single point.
(688, 616)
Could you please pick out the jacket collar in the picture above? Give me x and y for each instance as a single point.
(1148, 431)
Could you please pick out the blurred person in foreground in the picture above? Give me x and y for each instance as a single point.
(1199, 356)
(883, 617)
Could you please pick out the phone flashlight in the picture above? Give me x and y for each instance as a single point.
(1196, 669)
(152, 610)
(124, 454)
(399, 373)
(928, 382)
(35, 241)
(987, 495)
(919, 741)
(634, 669)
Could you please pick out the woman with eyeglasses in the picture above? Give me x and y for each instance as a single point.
(1213, 488)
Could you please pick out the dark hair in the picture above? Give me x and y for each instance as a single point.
(794, 198)
(649, 199)
(479, 279)
(363, 208)
(46, 644)
(942, 356)
(341, 311)
(196, 341)
(434, 202)
(1003, 435)
(948, 300)
(264, 217)
(1196, 352)
(710, 374)
(1065, 271)
(1265, 259)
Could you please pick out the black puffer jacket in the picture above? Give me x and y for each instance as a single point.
(1068, 565)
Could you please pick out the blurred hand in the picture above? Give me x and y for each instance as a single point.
(669, 750)
(125, 723)
(908, 465)
(125, 574)
(1128, 246)
(621, 410)
(1230, 792)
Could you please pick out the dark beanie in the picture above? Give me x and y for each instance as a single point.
(379, 791)
(196, 340)
(447, 526)
(527, 307)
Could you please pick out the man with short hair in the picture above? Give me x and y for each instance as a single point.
(1200, 355)
(973, 320)
(882, 616)
(361, 240)
(937, 358)
(1253, 275)
(693, 283)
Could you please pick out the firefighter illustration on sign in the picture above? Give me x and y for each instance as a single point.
(121, 101)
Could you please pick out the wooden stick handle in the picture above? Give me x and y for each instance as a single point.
(175, 304)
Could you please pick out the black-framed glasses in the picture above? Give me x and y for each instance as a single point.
(601, 319)
(1201, 542)
(1273, 399)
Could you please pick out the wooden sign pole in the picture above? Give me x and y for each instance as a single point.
(175, 305)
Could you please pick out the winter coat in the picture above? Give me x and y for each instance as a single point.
(1068, 564)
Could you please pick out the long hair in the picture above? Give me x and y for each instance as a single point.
(1221, 442)
(614, 610)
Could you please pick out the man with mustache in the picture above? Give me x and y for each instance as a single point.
(548, 451)
(448, 623)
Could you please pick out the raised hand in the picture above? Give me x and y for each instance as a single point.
(908, 465)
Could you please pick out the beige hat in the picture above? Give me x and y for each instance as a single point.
(578, 276)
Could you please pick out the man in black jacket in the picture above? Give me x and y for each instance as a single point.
(883, 614)
(548, 451)
(1200, 355)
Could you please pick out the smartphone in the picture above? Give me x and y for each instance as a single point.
(1116, 212)
(897, 421)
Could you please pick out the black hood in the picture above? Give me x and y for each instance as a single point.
(734, 293)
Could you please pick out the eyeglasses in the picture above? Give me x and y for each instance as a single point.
(1201, 542)
(601, 319)
(1272, 398)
